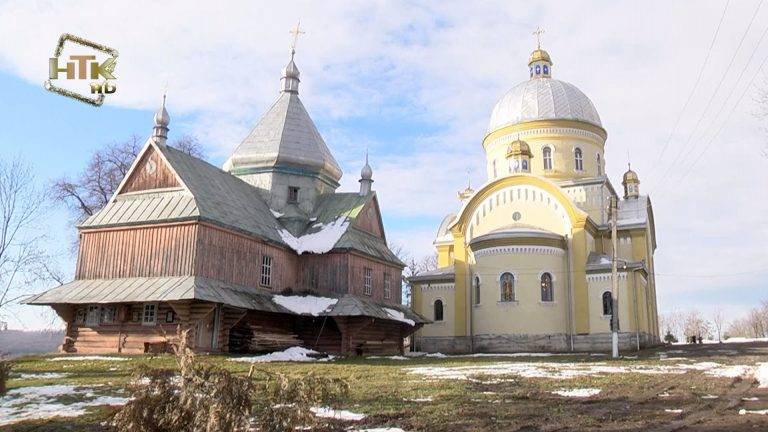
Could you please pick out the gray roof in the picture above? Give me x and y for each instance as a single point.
(156, 289)
(285, 136)
(633, 211)
(599, 263)
(444, 274)
(214, 195)
(162, 289)
(332, 206)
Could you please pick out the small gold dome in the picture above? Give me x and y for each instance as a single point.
(630, 177)
(539, 55)
(519, 147)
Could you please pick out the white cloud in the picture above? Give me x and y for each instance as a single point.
(444, 64)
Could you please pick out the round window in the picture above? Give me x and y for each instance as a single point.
(516, 216)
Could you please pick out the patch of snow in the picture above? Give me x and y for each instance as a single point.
(38, 403)
(520, 354)
(317, 242)
(326, 412)
(384, 429)
(394, 357)
(46, 375)
(88, 358)
(674, 411)
(758, 412)
(305, 305)
(436, 355)
(750, 399)
(292, 354)
(578, 393)
(276, 213)
(709, 396)
(664, 395)
(761, 375)
(426, 399)
(730, 371)
(739, 340)
(398, 316)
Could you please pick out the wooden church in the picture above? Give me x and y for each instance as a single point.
(258, 256)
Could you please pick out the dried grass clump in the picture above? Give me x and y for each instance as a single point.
(285, 401)
(5, 372)
(207, 398)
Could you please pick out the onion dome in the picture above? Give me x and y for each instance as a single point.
(539, 55)
(519, 147)
(366, 173)
(631, 183)
(162, 120)
(289, 81)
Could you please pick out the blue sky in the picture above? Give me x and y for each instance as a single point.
(414, 83)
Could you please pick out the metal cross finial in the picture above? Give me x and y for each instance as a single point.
(296, 31)
(539, 31)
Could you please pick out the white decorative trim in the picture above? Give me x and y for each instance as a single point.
(605, 277)
(508, 303)
(437, 287)
(508, 138)
(508, 250)
(547, 304)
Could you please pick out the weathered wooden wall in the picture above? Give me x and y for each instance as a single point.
(327, 273)
(368, 219)
(151, 173)
(357, 265)
(149, 251)
(235, 258)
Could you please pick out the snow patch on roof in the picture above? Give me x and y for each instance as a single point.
(305, 305)
(321, 239)
(399, 316)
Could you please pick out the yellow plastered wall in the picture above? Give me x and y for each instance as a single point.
(428, 293)
(528, 314)
(600, 323)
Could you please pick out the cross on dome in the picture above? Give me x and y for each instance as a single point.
(539, 63)
(539, 31)
(296, 31)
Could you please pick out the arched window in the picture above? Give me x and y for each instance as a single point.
(599, 165)
(578, 159)
(607, 303)
(547, 294)
(477, 289)
(507, 285)
(547, 158)
(525, 165)
(438, 310)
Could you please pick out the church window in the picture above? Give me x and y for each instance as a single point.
(368, 281)
(607, 303)
(293, 194)
(538, 69)
(525, 165)
(546, 69)
(599, 165)
(266, 271)
(547, 294)
(387, 286)
(507, 285)
(516, 216)
(149, 317)
(477, 289)
(547, 157)
(170, 316)
(438, 310)
(578, 159)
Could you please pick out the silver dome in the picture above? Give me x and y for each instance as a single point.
(543, 99)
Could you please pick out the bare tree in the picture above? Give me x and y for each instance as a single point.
(696, 325)
(718, 319)
(22, 259)
(413, 267)
(93, 188)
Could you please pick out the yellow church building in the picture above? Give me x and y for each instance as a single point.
(525, 262)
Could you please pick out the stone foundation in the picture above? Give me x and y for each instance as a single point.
(558, 342)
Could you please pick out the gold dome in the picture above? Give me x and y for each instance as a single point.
(539, 55)
(519, 147)
(630, 177)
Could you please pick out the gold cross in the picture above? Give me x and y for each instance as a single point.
(539, 31)
(295, 32)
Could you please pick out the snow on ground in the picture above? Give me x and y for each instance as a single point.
(33, 403)
(398, 316)
(564, 370)
(578, 393)
(317, 242)
(759, 412)
(673, 411)
(88, 358)
(46, 375)
(326, 412)
(394, 357)
(761, 374)
(709, 396)
(729, 340)
(292, 354)
(384, 429)
(750, 399)
(306, 305)
(731, 371)
(425, 399)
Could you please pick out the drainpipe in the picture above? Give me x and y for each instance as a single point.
(470, 313)
(569, 280)
(637, 317)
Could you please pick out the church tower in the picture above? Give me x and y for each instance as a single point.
(284, 155)
(631, 184)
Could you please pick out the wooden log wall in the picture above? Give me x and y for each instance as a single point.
(365, 336)
(150, 251)
(319, 333)
(326, 273)
(357, 266)
(235, 258)
(368, 219)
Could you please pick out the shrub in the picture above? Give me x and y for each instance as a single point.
(5, 371)
(669, 337)
(204, 397)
